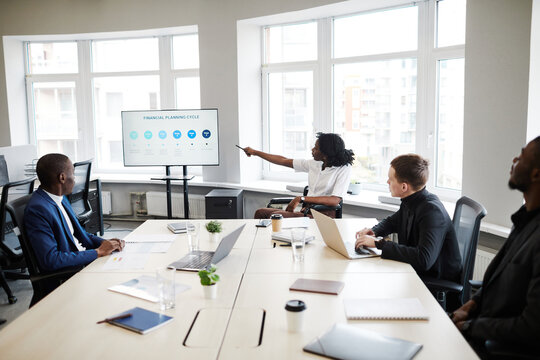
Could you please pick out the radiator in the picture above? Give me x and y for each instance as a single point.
(156, 203)
(106, 204)
(481, 262)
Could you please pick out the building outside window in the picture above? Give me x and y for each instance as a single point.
(394, 89)
(78, 89)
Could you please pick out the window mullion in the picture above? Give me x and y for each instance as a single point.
(426, 87)
(84, 98)
(323, 79)
(166, 81)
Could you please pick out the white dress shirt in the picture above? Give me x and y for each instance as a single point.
(330, 181)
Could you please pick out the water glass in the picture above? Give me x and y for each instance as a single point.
(193, 236)
(298, 243)
(167, 292)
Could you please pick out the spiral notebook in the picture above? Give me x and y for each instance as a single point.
(385, 309)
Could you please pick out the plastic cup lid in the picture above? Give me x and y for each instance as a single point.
(295, 305)
(276, 216)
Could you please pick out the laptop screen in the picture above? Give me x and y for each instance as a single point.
(226, 245)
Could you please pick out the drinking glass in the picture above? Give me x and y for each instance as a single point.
(167, 292)
(193, 236)
(298, 243)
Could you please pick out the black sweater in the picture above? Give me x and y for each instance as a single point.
(426, 237)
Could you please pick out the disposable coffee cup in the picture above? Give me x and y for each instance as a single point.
(277, 219)
(295, 310)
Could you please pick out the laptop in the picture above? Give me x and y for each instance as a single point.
(198, 260)
(332, 238)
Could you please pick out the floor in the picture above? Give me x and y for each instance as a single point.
(22, 289)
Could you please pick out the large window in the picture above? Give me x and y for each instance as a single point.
(389, 81)
(77, 90)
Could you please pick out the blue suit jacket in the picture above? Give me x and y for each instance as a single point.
(50, 237)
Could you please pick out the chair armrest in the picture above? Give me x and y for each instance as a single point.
(319, 207)
(475, 284)
(58, 275)
(280, 200)
(84, 216)
(442, 285)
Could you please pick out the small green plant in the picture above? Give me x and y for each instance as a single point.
(214, 226)
(208, 276)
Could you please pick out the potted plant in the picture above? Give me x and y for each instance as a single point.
(209, 280)
(214, 228)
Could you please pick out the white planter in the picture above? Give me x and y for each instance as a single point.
(214, 237)
(210, 291)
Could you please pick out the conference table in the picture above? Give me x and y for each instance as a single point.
(246, 320)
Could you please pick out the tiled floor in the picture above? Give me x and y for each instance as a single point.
(22, 289)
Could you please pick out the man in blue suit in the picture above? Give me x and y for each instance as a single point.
(52, 228)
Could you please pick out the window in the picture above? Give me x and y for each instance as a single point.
(450, 123)
(389, 82)
(77, 88)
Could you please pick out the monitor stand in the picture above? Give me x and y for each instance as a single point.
(168, 178)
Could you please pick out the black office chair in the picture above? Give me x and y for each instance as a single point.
(467, 217)
(11, 255)
(497, 351)
(42, 282)
(79, 196)
(285, 200)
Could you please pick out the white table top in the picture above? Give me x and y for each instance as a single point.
(255, 278)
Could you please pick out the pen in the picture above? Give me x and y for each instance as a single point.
(240, 147)
(114, 318)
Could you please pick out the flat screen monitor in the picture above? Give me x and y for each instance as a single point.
(170, 137)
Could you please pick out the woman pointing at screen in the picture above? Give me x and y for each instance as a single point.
(329, 173)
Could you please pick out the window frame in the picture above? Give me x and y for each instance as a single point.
(427, 56)
(84, 94)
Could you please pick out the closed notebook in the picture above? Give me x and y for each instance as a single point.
(350, 342)
(141, 320)
(285, 236)
(318, 286)
(385, 309)
(178, 227)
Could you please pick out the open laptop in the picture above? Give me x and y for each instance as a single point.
(332, 238)
(198, 260)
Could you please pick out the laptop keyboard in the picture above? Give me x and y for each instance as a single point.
(195, 260)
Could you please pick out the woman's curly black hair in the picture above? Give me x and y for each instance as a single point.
(333, 146)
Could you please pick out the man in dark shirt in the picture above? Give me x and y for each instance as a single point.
(506, 310)
(426, 235)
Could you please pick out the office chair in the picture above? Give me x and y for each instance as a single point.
(497, 351)
(285, 200)
(467, 217)
(79, 196)
(11, 255)
(42, 282)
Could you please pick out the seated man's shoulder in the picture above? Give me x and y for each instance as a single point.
(36, 204)
(433, 205)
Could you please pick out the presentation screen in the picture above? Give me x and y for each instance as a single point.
(170, 137)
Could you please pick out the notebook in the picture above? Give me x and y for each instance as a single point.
(285, 236)
(178, 227)
(385, 309)
(141, 320)
(318, 286)
(344, 341)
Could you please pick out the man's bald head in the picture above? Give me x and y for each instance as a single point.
(49, 167)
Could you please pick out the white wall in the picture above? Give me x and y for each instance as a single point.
(533, 126)
(496, 72)
(496, 97)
